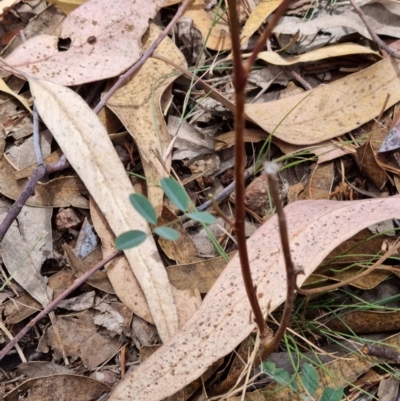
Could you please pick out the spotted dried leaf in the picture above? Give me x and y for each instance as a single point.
(222, 322)
(105, 40)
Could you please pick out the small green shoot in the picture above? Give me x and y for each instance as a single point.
(178, 196)
(144, 208)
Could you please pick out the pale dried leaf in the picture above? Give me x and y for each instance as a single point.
(88, 148)
(105, 41)
(59, 387)
(122, 279)
(59, 192)
(257, 18)
(67, 5)
(219, 37)
(383, 16)
(5, 88)
(222, 322)
(137, 105)
(330, 110)
(337, 50)
(26, 245)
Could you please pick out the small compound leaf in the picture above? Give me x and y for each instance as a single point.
(167, 233)
(130, 239)
(280, 375)
(144, 208)
(309, 378)
(331, 394)
(202, 217)
(176, 193)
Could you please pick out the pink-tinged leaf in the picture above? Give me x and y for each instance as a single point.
(222, 321)
(392, 141)
(105, 41)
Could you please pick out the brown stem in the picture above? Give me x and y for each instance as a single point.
(56, 301)
(220, 213)
(239, 82)
(28, 191)
(267, 33)
(374, 36)
(271, 170)
(389, 253)
(148, 53)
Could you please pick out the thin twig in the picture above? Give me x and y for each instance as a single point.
(220, 196)
(56, 301)
(220, 213)
(271, 170)
(28, 191)
(300, 80)
(148, 53)
(374, 36)
(36, 137)
(313, 291)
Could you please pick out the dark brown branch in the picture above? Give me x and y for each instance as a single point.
(148, 53)
(374, 36)
(239, 82)
(56, 301)
(389, 354)
(28, 191)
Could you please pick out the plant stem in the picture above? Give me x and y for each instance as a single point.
(239, 82)
(271, 170)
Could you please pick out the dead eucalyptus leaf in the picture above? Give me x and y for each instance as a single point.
(60, 192)
(222, 321)
(88, 148)
(105, 41)
(26, 246)
(46, 388)
(257, 18)
(118, 271)
(330, 110)
(337, 50)
(213, 27)
(138, 106)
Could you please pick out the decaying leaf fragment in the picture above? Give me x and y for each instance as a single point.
(86, 144)
(222, 321)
